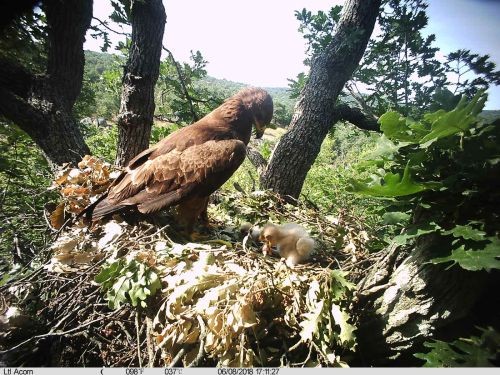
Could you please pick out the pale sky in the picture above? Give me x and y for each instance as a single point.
(257, 43)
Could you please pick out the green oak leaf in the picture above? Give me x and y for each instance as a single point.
(444, 124)
(467, 233)
(394, 185)
(465, 352)
(392, 218)
(474, 260)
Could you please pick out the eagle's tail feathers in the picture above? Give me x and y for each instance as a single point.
(155, 204)
(104, 208)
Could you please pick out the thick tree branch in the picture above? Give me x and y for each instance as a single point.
(355, 116)
(41, 105)
(66, 57)
(15, 78)
(342, 112)
(139, 78)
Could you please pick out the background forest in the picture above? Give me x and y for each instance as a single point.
(407, 163)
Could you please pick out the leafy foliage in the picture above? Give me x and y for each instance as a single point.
(317, 29)
(24, 178)
(399, 66)
(401, 69)
(128, 281)
(324, 313)
(473, 72)
(102, 141)
(25, 40)
(475, 351)
(180, 99)
(450, 166)
(100, 95)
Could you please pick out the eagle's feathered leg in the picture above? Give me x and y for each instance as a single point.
(204, 215)
(188, 212)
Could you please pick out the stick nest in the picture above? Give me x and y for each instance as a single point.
(134, 292)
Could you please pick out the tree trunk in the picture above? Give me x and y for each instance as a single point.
(314, 113)
(342, 112)
(141, 73)
(41, 105)
(404, 301)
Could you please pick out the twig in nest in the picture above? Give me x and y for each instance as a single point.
(127, 333)
(50, 334)
(177, 357)
(307, 358)
(149, 343)
(242, 347)
(201, 351)
(138, 338)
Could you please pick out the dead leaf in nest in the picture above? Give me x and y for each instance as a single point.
(147, 256)
(192, 336)
(57, 217)
(76, 176)
(75, 191)
(64, 258)
(83, 258)
(215, 319)
(65, 244)
(89, 161)
(62, 178)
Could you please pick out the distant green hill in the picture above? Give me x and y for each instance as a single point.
(490, 115)
(279, 94)
(98, 62)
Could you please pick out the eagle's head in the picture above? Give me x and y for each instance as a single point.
(260, 105)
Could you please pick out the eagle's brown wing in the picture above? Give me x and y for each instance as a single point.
(174, 176)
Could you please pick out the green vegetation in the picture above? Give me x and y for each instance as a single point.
(443, 171)
(128, 281)
(472, 351)
(401, 69)
(432, 174)
(24, 179)
(100, 95)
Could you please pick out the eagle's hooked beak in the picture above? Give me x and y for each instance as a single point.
(259, 129)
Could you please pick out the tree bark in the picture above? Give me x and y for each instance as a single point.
(314, 113)
(141, 73)
(41, 105)
(342, 112)
(404, 301)
(355, 116)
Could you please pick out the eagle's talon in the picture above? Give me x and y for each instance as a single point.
(198, 237)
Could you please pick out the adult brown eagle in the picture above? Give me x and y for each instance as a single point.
(191, 163)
